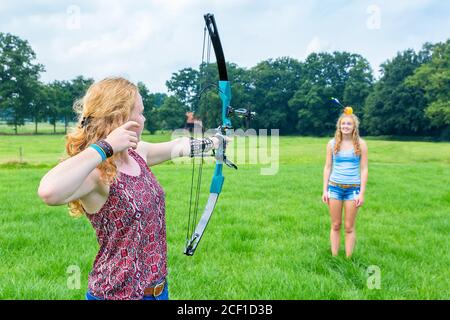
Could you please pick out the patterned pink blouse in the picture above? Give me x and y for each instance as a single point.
(131, 232)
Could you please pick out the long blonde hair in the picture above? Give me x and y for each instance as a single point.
(107, 105)
(355, 134)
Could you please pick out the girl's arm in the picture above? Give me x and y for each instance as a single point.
(71, 179)
(364, 166)
(75, 177)
(157, 153)
(364, 172)
(327, 172)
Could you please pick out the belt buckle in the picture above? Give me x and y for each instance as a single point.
(155, 291)
(159, 289)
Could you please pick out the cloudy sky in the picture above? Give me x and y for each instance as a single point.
(149, 40)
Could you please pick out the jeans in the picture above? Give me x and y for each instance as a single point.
(163, 296)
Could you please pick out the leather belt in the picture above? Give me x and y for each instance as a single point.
(156, 290)
(344, 186)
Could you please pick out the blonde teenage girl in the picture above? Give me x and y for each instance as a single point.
(344, 179)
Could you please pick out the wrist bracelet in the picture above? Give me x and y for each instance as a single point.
(100, 151)
(104, 149)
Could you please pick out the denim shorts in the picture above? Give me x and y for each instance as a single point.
(343, 194)
(163, 296)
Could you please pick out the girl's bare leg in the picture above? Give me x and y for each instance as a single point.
(350, 233)
(336, 221)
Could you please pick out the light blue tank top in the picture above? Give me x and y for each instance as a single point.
(346, 167)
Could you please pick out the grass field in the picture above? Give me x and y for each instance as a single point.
(268, 237)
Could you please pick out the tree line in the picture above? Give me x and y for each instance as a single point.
(410, 98)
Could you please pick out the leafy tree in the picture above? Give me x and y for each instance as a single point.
(19, 76)
(38, 107)
(171, 114)
(433, 78)
(394, 108)
(273, 84)
(60, 102)
(62, 96)
(343, 75)
(184, 85)
(152, 103)
(358, 86)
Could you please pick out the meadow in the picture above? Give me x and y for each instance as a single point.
(268, 237)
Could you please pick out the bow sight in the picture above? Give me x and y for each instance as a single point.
(241, 112)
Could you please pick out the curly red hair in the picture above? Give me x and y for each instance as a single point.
(108, 104)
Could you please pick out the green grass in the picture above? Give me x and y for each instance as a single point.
(268, 237)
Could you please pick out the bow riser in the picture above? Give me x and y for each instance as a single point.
(225, 96)
(217, 181)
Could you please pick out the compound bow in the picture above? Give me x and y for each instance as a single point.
(224, 88)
